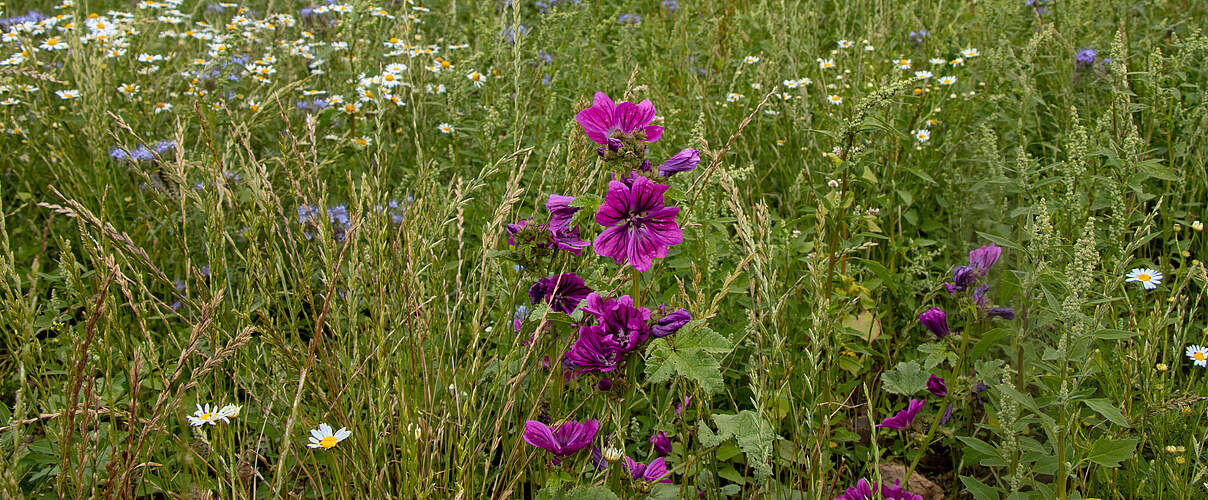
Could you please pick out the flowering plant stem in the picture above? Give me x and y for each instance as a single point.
(939, 415)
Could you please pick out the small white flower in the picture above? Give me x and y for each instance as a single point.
(947, 80)
(67, 94)
(970, 52)
(161, 107)
(228, 412)
(751, 59)
(789, 84)
(445, 128)
(923, 75)
(732, 97)
(1149, 278)
(937, 61)
(846, 44)
(826, 64)
(832, 183)
(1198, 355)
(324, 438)
(922, 135)
(207, 414)
(902, 63)
(477, 78)
(612, 454)
(834, 99)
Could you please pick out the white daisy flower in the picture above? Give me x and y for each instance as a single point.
(751, 59)
(947, 80)
(477, 78)
(445, 128)
(207, 414)
(970, 52)
(922, 135)
(1149, 278)
(732, 97)
(826, 63)
(902, 63)
(923, 75)
(846, 44)
(1198, 355)
(938, 60)
(834, 99)
(67, 94)
(789, 84)
(323, 437)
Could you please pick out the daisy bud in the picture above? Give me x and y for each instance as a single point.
(613, 454)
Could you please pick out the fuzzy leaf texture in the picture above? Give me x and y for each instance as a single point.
(752, 433)
(906, 378)
(693, 357)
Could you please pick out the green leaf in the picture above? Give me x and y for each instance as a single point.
(980, 490)
(1110, 452)
(1108, 410)
(693, 357)
(1000, 241)
(906, 378)
(586, 200)
(752, 433)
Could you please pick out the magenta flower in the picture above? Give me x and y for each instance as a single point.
(935, 320)
(593, 350)
(656, 471)
(903, 418)
(936, 386)
(626, 325)
(640, 226)
(563, 292)
(863, 490)
(569, 438)
(604, 119)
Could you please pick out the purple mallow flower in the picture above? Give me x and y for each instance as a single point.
(662, 445)
(936, 386)
(593, 350)
(863, 490)
(683, 161)
(656, 471)
(902, 419)
(640, 226)
(936, 320)
(570, 437)
(563, 292)
(606, 119)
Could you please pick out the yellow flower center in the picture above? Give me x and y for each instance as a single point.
(1144, 277)
(327, 442)
(206, 416)
(1198, 355)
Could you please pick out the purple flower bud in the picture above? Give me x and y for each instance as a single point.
(947, 415)
(984, 258)
(614, 144)
(601, 151)
(936, 320)
(671, 323)
(604, 385)
(679, 409)
(936, 386)
(1006, 313)
(662, 445)
(979, 295)
(683, 161)
(645, 166)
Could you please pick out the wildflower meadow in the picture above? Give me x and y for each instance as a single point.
(576, 249)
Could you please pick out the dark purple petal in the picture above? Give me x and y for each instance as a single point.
(560, 211)
(662, 445)
(1006, 313)
(903, 418)
(936, 386)
(539, 435)
(984, 258)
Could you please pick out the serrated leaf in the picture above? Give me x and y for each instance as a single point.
(691, 358)
(586, 200)
(1108, 411)
(752, 433)
(906, 378)
(1110, 452)
(698, 336)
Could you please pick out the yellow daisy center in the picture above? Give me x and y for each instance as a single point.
(1144, 277)
(206, 416)
(327, 442)
(1198, 355)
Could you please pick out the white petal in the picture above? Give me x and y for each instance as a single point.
(315, 434)
(325, 429)
(343, 434)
